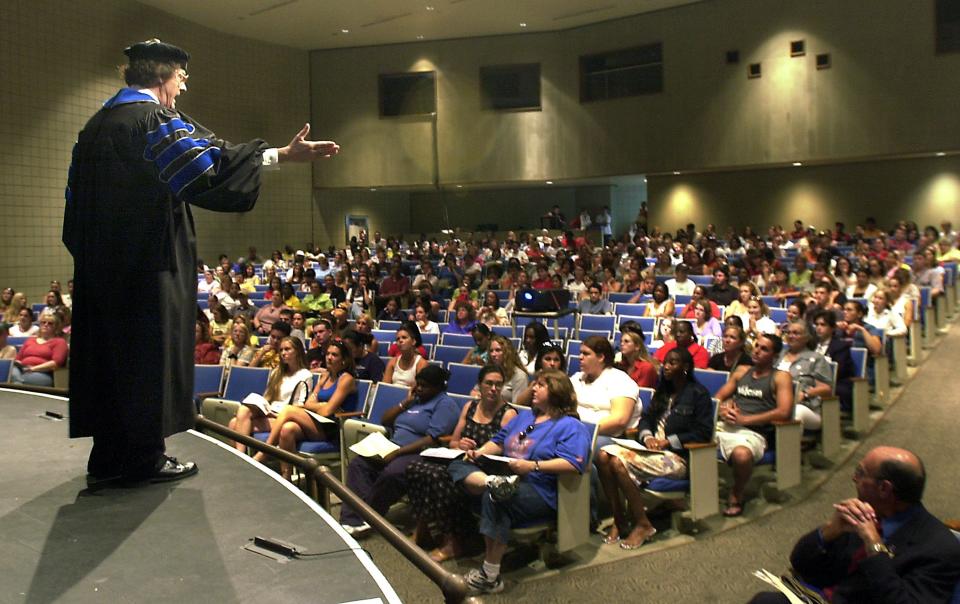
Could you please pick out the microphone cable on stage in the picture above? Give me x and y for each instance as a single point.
(289, 550)
(333, 551)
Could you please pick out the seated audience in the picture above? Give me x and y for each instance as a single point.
(288, 385)
(205, 351)
(882, 545)
(662, 304)
(402, 369)
(503, 354)
(24, 327)
(543, 442)
(465, 293)
(220, 325)
(535, 335)
(753, 398)
(238, 350)
(606, 396)
(681, 412)
(758, 319)
(832, 345)
(369, 366)
(809, 371)
(733, 354)
(442, 512)
(721, 291)
(269, 355)
(550, 356)
(335, 386)
(416, 423)
(699, 293)
(682, 337)
(41, 355)
(680, 285)
(9, 351)
(18, 302)
(704, 324)
(268, 315)
(391, 311)
(635, 359)
(594, 304)
(480, 353)
(462, 319)
(316, 303)
(490, 312)
(854, 328)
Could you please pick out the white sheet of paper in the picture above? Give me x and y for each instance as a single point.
(633, 445)
(318, 417)
(773, 580)
(374, 445)
(441, 453)
(257, 402)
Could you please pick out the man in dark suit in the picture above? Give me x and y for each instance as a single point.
(882, 546)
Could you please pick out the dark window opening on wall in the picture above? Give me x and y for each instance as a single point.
(509, 87)
(622, 73)
(408, 94)
(948, 26)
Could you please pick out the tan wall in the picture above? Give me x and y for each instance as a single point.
(58, 61)
(926, 191)
(887, 93)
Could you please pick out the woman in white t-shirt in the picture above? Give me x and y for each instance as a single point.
(421, 315)
(606, 396)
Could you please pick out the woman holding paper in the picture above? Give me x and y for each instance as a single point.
(283, 388)
(417, 422)
(542, 442)
(295, 423)
(680, 412)
(436, 501)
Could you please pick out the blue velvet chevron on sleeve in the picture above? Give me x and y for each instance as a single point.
(180, 159)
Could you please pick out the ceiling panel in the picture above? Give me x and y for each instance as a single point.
(320, 24)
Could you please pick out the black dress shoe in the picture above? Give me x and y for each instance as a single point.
(168, 468)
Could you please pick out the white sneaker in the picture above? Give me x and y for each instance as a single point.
(478, 582)
(502, 487)
(358, 530)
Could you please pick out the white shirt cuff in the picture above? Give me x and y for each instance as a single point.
(271, 159)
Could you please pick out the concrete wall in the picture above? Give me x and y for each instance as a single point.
(926, 190)
(887, 93)
(58, 59)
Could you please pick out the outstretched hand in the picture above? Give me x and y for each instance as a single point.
(301, 150)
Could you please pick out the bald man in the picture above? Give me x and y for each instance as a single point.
(882, 546)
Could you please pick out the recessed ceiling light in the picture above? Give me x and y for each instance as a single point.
(798, 164)
(523, 25)
(676, 172)
(644, 179)
(373, 188)
(940, 153)
(430, 7)
(344, 31)
(549, 182)
(459, 186)
(420, 37)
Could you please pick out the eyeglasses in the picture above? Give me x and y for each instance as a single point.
(523, 433)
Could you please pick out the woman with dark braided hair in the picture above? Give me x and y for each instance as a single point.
(680, 412)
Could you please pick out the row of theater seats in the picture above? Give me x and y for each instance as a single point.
(701, 489)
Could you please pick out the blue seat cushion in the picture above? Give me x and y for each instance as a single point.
(314, 447)
(769, 458)
(668, 485)
(262, 436)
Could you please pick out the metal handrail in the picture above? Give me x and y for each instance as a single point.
(453, 586)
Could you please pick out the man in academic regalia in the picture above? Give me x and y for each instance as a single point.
(138, 166)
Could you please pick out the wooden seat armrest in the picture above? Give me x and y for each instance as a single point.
(346, 414)
(859, 379)
(631, 433)
(829, 397)
(786, 422)
(203, 395)
(445, 439)
(692, 446)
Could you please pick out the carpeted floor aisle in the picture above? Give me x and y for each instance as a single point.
(717, 568)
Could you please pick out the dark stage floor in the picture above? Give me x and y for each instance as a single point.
(179, 542)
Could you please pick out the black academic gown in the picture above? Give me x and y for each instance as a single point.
(137, 167)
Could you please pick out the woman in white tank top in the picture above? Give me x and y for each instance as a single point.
(403, 368)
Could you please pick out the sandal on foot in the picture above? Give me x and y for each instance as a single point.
(628, 546)
(609, 539)
(733, 510)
